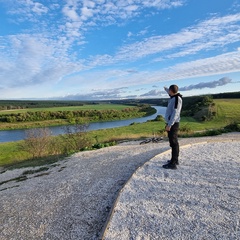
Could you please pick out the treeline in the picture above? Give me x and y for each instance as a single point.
(73, 116)
(226, 95)
(24, 104)
(154, 101)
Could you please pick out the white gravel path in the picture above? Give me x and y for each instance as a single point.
(72, 199)
(200, 200)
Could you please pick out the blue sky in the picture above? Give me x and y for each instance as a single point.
(114, 49)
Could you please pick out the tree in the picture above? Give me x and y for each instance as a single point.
(37, 142)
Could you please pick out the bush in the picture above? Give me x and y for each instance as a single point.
(201, 108)
(185, 128)
(159, 118)
(213, 132)
(133, 123)
(232, 127)
(75, 138)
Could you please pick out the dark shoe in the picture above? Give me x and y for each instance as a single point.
(170, 166)
(177, 163)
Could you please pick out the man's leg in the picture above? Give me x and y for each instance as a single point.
(173, 140)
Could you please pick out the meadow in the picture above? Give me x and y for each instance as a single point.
(68, 108)
(228, 110)
(227, 113)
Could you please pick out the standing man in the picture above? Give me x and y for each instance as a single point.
(172, 118)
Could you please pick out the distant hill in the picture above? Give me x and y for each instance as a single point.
(163, 101)
(23, 104)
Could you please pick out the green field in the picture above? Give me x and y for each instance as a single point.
(71, 108)
(228, 111)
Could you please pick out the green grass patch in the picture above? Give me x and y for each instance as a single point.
(11, 154)
(28, 162)
(228, 110)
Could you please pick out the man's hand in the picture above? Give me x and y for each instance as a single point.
(168, 128)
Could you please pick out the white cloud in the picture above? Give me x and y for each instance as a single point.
(103, 13)
(27, 9)
(212, 84)
(131, 8)
(207, 35)
(90, 4)
(220, 64)
(130, 34)
(162, 4)
(33, 60)
(115, 93)
(138, 34)
(153, 93)
(224, 63)
(38, 8)
(221, 82)
(71, 13)
(86, 13)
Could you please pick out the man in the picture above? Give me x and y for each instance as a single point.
(172, 118)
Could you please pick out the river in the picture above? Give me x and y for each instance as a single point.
(16, 135)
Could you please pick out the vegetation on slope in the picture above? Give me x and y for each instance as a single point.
(224, 117)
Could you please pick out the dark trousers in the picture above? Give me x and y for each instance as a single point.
(173, 140)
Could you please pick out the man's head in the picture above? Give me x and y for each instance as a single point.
(173, 89)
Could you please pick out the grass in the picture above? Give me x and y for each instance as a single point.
(10, 154)
(228, 111)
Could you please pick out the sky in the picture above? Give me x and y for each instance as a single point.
(118, 49)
